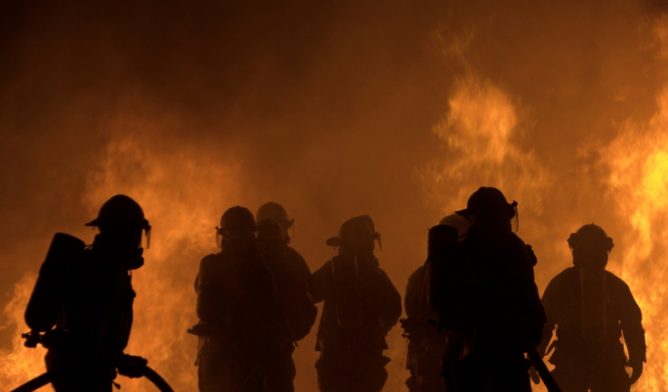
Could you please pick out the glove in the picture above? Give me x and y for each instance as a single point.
(132, 366)
(636, 371)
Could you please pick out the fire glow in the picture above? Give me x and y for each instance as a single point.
(485, 133)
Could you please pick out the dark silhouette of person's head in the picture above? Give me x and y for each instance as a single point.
(488, 207)
(270, 232)
(441, 240)
(237, 226)
(457, 221)
(276, 213)
(356, 236)
(590, 246)
(121, 223)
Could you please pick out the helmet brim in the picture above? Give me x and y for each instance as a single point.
(94, 223)
(335, 241)
(466, 213)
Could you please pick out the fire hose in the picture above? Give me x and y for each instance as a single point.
(545, 375)
(47, 377)
(32, 339)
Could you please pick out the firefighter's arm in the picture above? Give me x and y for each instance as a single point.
(634, 334)
(411, 303)
(204, 285)
(535, 310)
(538, 321)
(318, 281)
(385, 298)
(550, 305)
(411, 298)
(549, 309)
(393, 303)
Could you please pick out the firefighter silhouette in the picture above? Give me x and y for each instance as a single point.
(591, 309)
(426, 342)
(484, 292)
(360, 306)
(81, 306)
(242, 347)
(290, 275)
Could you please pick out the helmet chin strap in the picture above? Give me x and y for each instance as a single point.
(147, 233)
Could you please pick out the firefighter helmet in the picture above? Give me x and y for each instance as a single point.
(120, 212)
(591, 236)
(236, 219)
(275, 212)
(489, 202)
(355, 232)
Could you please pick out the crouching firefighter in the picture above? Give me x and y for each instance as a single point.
(81, 306)
(361, 305)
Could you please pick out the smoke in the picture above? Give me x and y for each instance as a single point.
(397, 109)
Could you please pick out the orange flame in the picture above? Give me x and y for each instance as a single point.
(183, 191)
(480, 138)
(19, 364)
(184, 188)
(638, 162)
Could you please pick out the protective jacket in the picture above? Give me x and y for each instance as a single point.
(360, 303)
(239, 314)
(492, 303)
(504, 307)
(290, 279)
(360, 306)
(591, 309)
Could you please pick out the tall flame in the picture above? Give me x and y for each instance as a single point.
(19, 364)
(183, 191)
(480, 138)
(638, 162)
(184, 187)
